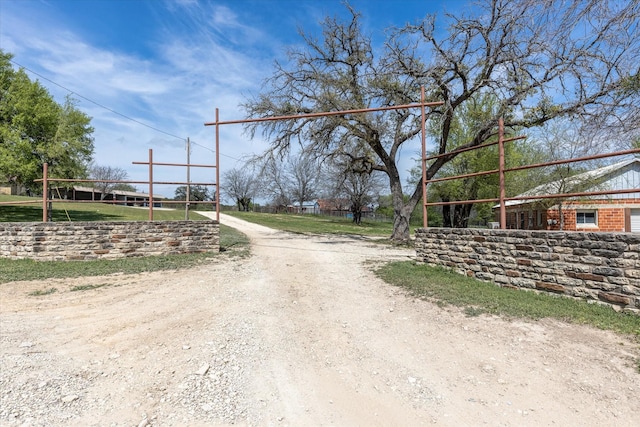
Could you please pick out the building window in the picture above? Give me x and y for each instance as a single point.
(586, 218)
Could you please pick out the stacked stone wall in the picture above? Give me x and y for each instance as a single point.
(602, 267)
(106, 240)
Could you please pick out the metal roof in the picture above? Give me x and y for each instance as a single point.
(566, 185)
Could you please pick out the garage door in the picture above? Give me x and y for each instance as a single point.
(635, 220)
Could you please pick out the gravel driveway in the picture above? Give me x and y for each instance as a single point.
(300, 333)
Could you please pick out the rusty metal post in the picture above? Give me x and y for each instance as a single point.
(325, 114)
(503, 209)
(150, 184)
(45, 191)
(424, 162)
(217, 166)
(218, 123)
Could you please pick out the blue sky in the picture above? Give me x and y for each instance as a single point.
(170, 63)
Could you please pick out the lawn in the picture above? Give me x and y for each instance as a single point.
(447, 287)
(316, 224)
(70, 211)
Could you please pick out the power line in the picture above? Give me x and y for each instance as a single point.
(118, 113)
(98, 104)
(202, 146)
(213, 151)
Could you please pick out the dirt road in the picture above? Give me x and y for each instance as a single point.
(300, 333)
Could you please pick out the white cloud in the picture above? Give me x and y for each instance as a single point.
(223, 16)
(176, 91)
(203, 57)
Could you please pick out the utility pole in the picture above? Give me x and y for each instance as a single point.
(186, 205)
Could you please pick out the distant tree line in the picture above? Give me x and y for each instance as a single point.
(295, 179)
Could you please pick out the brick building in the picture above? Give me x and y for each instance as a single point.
(611, 213)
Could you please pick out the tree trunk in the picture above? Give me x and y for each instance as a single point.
(461, 215)
(356, 210)
(446, 214)
(400, 228)
(244, 203)
(467, 213)
(458, 216)
(401, 212)
(357, 216)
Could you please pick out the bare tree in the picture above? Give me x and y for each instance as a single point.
(351, 176)
(108, 173)
(241, 186)
(563, 140)
(273, 181)
(531, 55)
(303, 178)
(289, 179)
(541, 59)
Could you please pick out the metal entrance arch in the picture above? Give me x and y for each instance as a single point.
(422, 105)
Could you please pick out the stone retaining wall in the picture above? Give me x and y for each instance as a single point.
(47, 241)
(595, 266)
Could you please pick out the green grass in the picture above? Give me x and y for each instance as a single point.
(232, 243)
(232, 240)
(316, 224)
(65, 211)
(41, 292)
(476, 297)
(87, 287)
